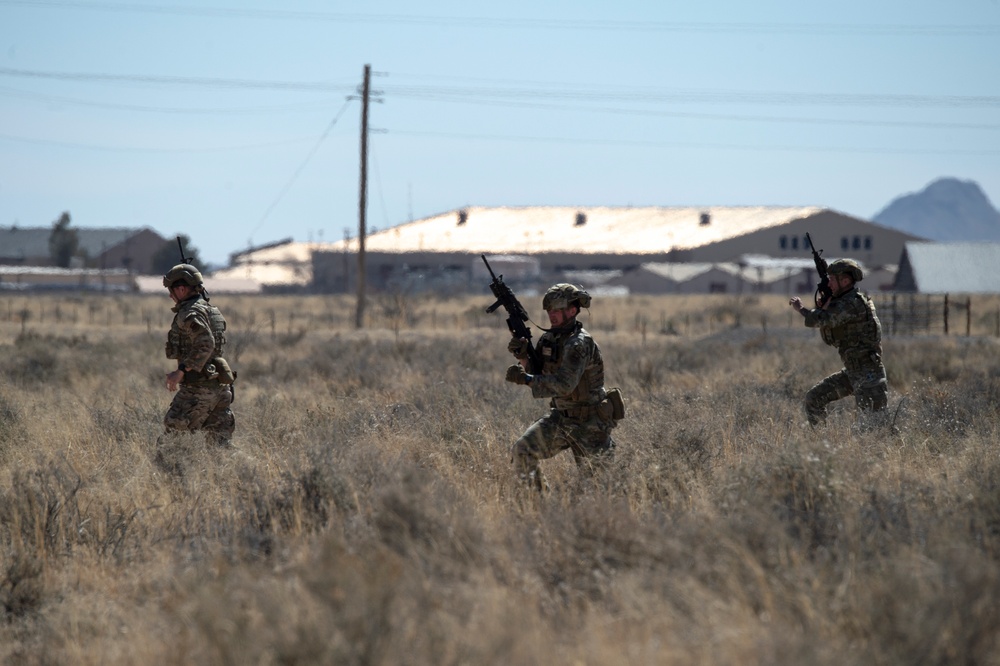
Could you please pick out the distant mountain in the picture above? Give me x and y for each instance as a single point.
(948, 209)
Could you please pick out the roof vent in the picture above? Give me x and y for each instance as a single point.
(705, 219)
(581, 219)
(463, 217)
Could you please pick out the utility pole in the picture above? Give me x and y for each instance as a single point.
(359, 315)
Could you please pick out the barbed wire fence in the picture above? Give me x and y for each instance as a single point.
(929, 314)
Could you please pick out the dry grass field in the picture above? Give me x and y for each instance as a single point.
(366, 513)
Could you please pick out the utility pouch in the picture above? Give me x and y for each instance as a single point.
(226, 375)
(617, 402)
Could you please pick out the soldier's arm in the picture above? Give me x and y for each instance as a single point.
(840, 311)
(566, 376)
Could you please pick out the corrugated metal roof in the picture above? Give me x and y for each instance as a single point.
(285, 253)
(285, 264)
(760, 273)
(518, 230)
(97, 241)
(153, 284)
(19, 243)
(677, 272)
(956, 268)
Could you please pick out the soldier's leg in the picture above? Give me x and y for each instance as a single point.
(543, 439)
(220, 423)
(593, 446)
(173, 446)
(871, 393)
(834, 387)
(871, 389)
(190, 408)
(178, 417)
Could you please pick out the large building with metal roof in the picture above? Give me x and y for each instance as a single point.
(444, 249)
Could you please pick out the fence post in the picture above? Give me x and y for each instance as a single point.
(968, 316)
(894, 314)
(946, 314)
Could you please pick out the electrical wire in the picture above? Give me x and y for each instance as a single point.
(853, 30)
(147, 149)
(779, 98)
(72, 101)
(682, 144)
(545, 92)
(301, 167)
(193, 81)
(784, 120)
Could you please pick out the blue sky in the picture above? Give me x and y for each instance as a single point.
(238, 123)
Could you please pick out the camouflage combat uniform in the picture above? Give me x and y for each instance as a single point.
(197, 341)
(850, 324)
(572, 375)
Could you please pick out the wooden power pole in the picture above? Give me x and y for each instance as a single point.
(359, 315)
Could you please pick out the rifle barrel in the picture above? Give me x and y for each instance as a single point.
(488, 267)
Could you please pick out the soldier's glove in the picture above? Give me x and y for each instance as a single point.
(518, 347)
(517, 375)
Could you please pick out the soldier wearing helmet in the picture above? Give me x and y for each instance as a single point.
(848, 322)
(571, 376)
(203, 379)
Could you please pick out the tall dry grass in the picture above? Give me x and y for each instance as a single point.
(366, 513)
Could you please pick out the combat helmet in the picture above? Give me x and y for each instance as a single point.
(183, 274)
(847, 266)
(562, 295)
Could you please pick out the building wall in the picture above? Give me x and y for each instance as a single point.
(135, 253)
(714, 281)
(337, 271)
(645, 282)
(876, 245)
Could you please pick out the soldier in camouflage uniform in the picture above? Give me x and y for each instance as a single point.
(203, 379)
(848, 322)
(572, 376)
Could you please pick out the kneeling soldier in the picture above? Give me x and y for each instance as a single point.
(572, 375)
(848, 322)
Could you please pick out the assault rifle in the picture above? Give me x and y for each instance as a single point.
(516, 314)
(823, 291)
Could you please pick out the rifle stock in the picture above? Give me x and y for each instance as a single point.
(516, 314)
(823, 292)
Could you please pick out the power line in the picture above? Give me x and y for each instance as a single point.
(301, 167)
(647, 96)
(148, 149)
(194, 81)
(684, 144)
(784, 120)
(547, 92)
(55, 99)
(312, 106)
(501, 23)
(548, 96)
